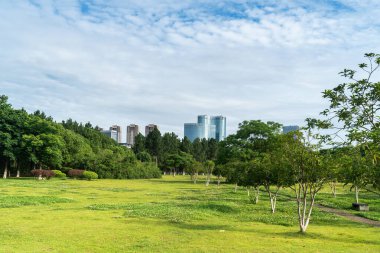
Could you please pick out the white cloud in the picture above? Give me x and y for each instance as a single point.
(146, 62)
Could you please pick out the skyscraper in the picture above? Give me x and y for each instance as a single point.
(118, 130)
(149, 128)
(207, 127)
(111, 133)
(132, 132)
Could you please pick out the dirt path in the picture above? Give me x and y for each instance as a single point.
(349, 216)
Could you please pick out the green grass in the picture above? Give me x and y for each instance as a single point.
(169, 215)
(345, 198)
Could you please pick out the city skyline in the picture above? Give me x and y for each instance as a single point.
(105, 61)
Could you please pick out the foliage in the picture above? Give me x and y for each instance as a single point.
(89, 175)
(59, 174)
(43, 173)
(75, 173)
(144, 156)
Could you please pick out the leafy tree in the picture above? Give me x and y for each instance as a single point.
(7, 140)
(212, 149)
(307, 173)
(139, 145)
(198, 150)
(356, 169)
(144, 156)
(153, 143)
(186, 145)
(354, 110)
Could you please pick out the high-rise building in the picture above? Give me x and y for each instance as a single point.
(132, 132)
(207, 127)
(118, 130)
(149, 128)
(287, 129)
(111, 133)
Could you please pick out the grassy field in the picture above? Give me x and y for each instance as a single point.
(169, 215)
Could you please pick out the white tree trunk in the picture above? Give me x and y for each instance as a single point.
(257, 194)
(208, 179)
(18, 172)
(357, 194)
(40, 175)
(304, 214)
(5, 174)
(236, 186)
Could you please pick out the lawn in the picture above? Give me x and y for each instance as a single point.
(169, 215)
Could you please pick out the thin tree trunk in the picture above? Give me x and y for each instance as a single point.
(333, 188)
(236, 186)
(357, 194)
(257, 194)
(5, 169)
(18, 172)
(218, 181)
(40, 175)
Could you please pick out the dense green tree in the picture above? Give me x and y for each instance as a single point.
(144, 156)
(212, 150)
(139, 145)
(153, 143)
(186, 145)
(198, 150)
(7, 132)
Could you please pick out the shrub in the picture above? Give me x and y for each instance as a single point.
(65, 169)
(90, 175)
(75, 173)
(59, 174)
(43, 173)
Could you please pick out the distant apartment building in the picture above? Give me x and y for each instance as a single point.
(111, 133)
(118, 130)
(132, 132)
(287, 129)
(207, 127)
(149, 128)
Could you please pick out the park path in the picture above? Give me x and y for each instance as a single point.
(349, 216)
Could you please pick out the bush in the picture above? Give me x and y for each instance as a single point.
(90, 175)
(75, 173)
(59, 174)
(65, 169)
(43, 173)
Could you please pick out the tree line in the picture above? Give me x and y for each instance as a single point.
(35, 141)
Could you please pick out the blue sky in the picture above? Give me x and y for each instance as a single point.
(165, 62)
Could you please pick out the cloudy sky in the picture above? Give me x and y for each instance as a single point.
(166, 61)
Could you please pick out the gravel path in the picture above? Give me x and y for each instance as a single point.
(349, 216)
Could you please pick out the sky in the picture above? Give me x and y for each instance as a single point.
(165, 62)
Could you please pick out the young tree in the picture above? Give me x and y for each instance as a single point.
(307, 173)
(356, 169)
